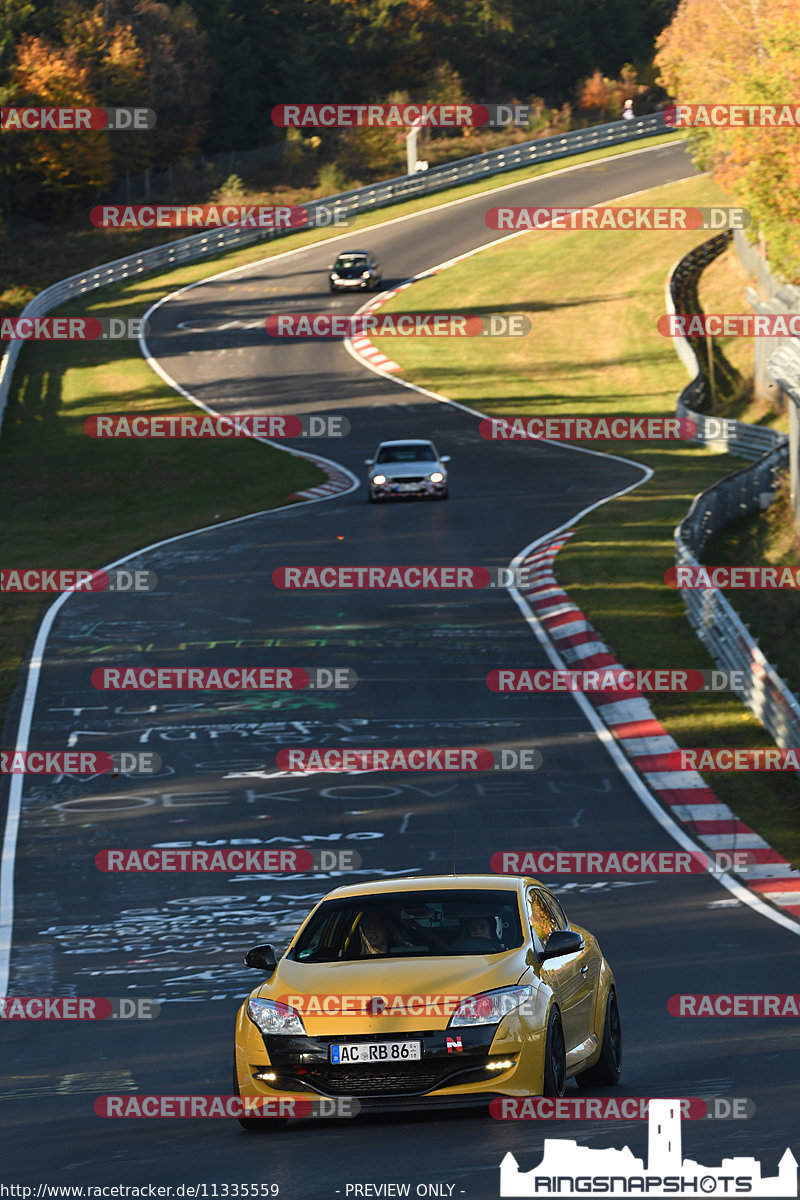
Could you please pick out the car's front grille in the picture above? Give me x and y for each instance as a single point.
(407, 479)
(411, 1079)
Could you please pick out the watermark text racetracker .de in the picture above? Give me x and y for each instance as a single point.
(392, 324)
(234, 679)
(755, 578)
(72, 329)
(584, 427)
(78, 1008)
(732, 116)
(75, 579)
(672, 218)
(218, 216)
(396, 116)
(724, 758)
(207, 425)
(619, 862)
(73, 120)
(296, 859)
(625, 680)
(276, 1107)
(399, 576)
(729, 325)
(612, 1108)
(408, 758)
(784, 1004)
(79, 762)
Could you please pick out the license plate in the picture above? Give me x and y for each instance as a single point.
(345, 1053)
(408, 487)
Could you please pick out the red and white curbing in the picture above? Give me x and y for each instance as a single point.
(364, 348)
(645, 741)
(337, 482)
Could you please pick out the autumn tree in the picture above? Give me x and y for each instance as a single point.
(743, 52)
(56, 170)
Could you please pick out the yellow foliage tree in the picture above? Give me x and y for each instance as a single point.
(61, 165)
(743, 52)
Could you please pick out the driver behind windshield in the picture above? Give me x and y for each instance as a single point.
(480, 935)
(377, 936)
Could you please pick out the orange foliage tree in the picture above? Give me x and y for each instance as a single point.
(57, 166)
(743, 52)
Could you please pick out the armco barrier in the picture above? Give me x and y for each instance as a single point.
(711, 614)
(374, 196)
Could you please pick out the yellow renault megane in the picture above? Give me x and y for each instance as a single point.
(434, 991)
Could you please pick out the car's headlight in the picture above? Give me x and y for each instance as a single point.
(488, 1008)
(366, 274)
(436, 477)
(273, 1017)
(334, 274)
(379, 479)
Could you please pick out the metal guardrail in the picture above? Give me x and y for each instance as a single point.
(359, 200)
(710, 613)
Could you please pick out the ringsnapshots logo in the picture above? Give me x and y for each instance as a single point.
(230, 679)
(212, 425)
(78, 1008)
(408, 758)
(218, 216)
(669, 218)
(72, 120)
(75, 579)
(568, 1169)
(400, 116)
(410, 324)
(732, 116)
(231, 861)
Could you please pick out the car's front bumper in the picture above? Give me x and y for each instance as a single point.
(350, 284)
(451, 1073)
(400, 489)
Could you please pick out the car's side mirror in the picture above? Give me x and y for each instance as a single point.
(262, 958)
(561, 942)
(444, 458)
(369, 461)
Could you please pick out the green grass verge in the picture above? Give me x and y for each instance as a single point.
(594, 300)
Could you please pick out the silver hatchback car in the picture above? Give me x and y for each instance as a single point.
(407, 468)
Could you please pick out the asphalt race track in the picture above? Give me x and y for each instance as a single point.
(421, 659)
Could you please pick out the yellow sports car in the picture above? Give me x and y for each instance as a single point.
(434, 991)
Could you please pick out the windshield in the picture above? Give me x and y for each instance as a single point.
(401, 454)
(345, 261)
(411, 925)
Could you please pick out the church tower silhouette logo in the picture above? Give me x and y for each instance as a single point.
(568, 1169)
